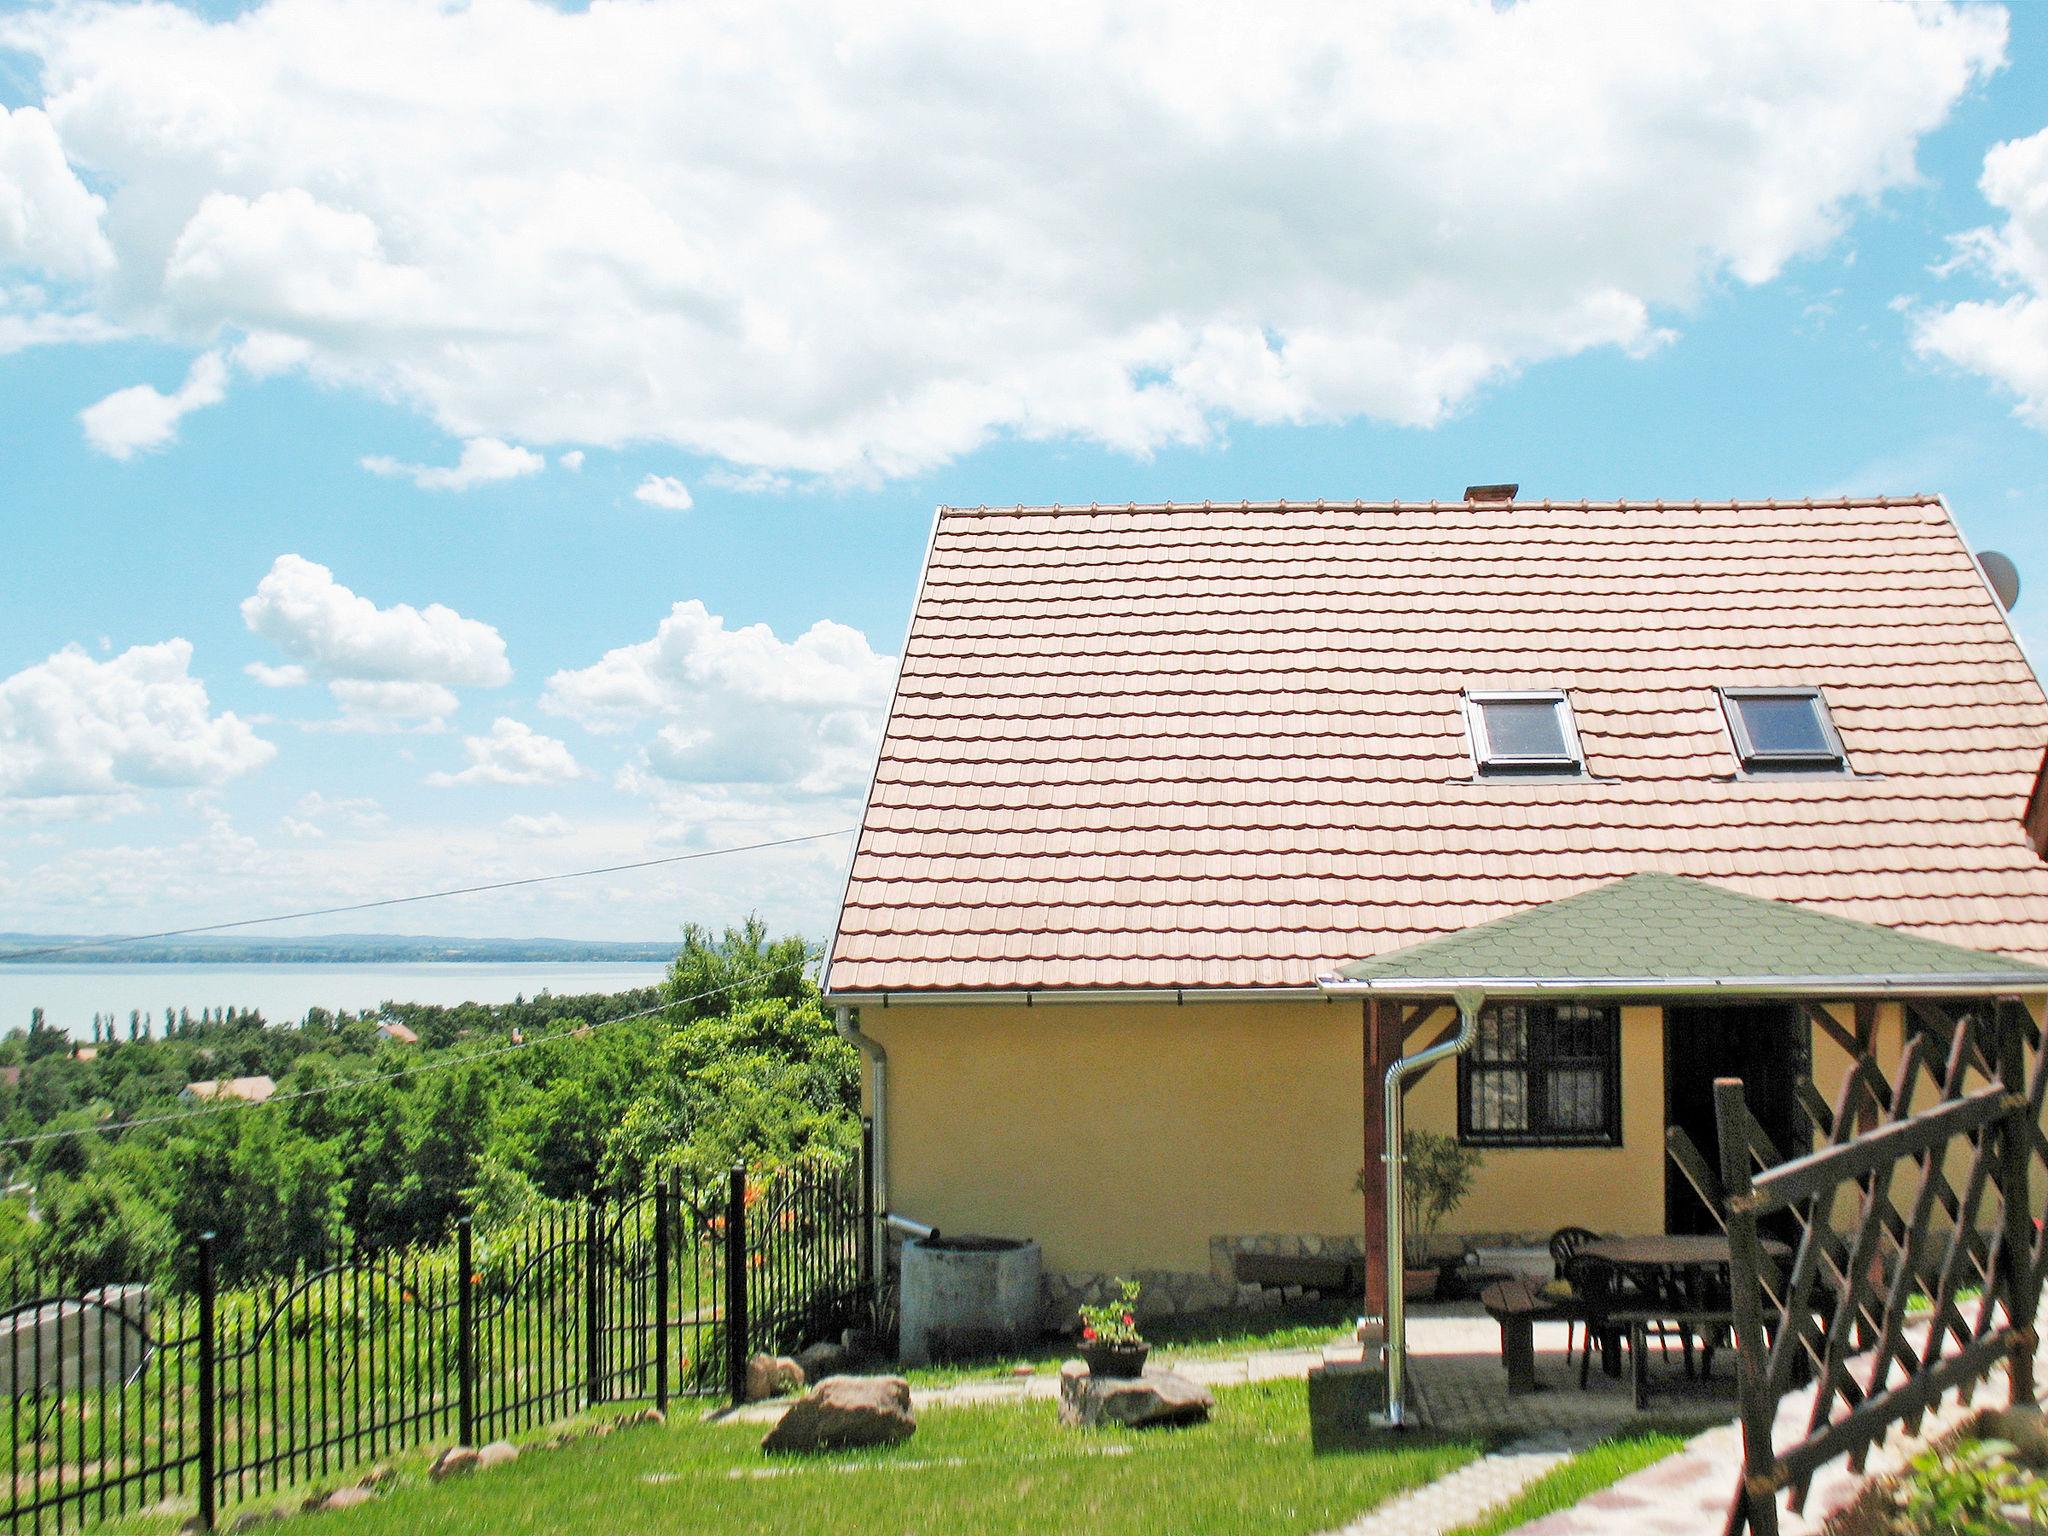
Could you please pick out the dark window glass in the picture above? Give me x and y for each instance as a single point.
(1543, 1074)
(1525, 728)
(1785, 726)
(1786, 729)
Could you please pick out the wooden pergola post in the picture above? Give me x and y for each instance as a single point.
(1382, 1045)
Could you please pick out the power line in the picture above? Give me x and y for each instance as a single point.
(442, 1065)
(399, 901)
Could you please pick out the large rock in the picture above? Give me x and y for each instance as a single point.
(1155, 1399)
(453, 1462)
(845, 1411)
(823, 1359)
(348, 1498)
(772, 1376)
(496, 1454)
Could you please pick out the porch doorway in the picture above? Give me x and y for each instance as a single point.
(1764, 1044)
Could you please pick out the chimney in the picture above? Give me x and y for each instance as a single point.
(1505, 492)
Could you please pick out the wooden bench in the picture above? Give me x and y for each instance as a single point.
(1324, 1273)
(1518, 1306)
(1635, 1323)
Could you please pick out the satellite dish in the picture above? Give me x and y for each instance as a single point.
(2003, 575)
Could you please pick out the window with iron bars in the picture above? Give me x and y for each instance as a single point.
(1542, 1075)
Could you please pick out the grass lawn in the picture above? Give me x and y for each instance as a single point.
(997, 1470)
(1594, 1468)
(1305, 1325)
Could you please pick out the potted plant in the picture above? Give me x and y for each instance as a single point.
(1436, 1175)
(1110, 1341)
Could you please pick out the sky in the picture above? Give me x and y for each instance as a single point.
(448, 443)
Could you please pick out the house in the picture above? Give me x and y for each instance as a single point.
(391, 1029)
(1189, 822)
(250, 1090)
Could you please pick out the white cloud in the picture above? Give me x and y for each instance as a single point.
(550, 825)
(572, 460)
(360, 812)
(73, 729)
(663, 491)
(858, 238)
(752, 482)
(2005, 339)
(390, 669)
(399, 662)
(291, 675)
(48, 220)
(513, 753)
(141, 417)
(384, 705)
(484, 460)
(739, 706)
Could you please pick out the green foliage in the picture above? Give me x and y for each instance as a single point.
(1436, 1175)
(1114, 1322)
(96, 1232)
(386, 1144)
(1971, 1488)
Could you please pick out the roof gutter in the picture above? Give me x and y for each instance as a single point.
(1931, 985)
(1032, 997)
(1469, 1001)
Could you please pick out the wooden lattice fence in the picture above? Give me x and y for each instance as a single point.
(1918, 1261)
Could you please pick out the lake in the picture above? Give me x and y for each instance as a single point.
(70, 995)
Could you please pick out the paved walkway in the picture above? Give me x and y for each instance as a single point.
(1472, 1490)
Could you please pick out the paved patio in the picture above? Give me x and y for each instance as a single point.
(1458, 1382)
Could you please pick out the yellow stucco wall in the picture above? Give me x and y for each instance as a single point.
(1539, 1189)
(1123, 1136)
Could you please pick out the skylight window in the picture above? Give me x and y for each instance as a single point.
(1783, 730)
(1528, 733)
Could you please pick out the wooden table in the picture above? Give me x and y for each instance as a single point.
(1678, 1267)
(1517, 1305)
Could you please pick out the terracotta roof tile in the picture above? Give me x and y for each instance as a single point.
(1223, 747)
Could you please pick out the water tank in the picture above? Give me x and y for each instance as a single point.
(967, 1298)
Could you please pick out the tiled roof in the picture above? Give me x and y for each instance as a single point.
(1222, 747)
(1670, 928)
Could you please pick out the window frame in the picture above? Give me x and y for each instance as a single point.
(1491, 764)
(1541, 1058)
(1835, 760)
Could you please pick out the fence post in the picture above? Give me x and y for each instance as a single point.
(208, 1415)
(593, 1341)
(661, 1219)
(1752, 1360)
(868, 1235)
(2017, 1250)
(736, 1283)
(465, 1329)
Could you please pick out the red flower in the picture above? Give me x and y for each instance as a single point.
(1088, 1334)
(1127, 1320)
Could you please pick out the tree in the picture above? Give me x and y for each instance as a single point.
(96, 1232)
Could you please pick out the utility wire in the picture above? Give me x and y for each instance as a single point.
(399, 901)
(462, 1060)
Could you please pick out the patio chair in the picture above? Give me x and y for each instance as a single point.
(1565, 1243)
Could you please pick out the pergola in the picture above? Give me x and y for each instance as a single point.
(1648, 938)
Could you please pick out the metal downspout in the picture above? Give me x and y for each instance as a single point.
(1469, 1002)
(867, 1045)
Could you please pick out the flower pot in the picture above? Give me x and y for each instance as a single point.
(1419, 1284)
(1123, 1360)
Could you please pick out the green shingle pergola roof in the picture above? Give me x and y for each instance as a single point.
(1655, 933)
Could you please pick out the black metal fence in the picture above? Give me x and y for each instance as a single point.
(128, 1397)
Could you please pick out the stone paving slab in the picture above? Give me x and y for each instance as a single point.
(1472, 1490)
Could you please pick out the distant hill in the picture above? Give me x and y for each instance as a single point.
(319, 949)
